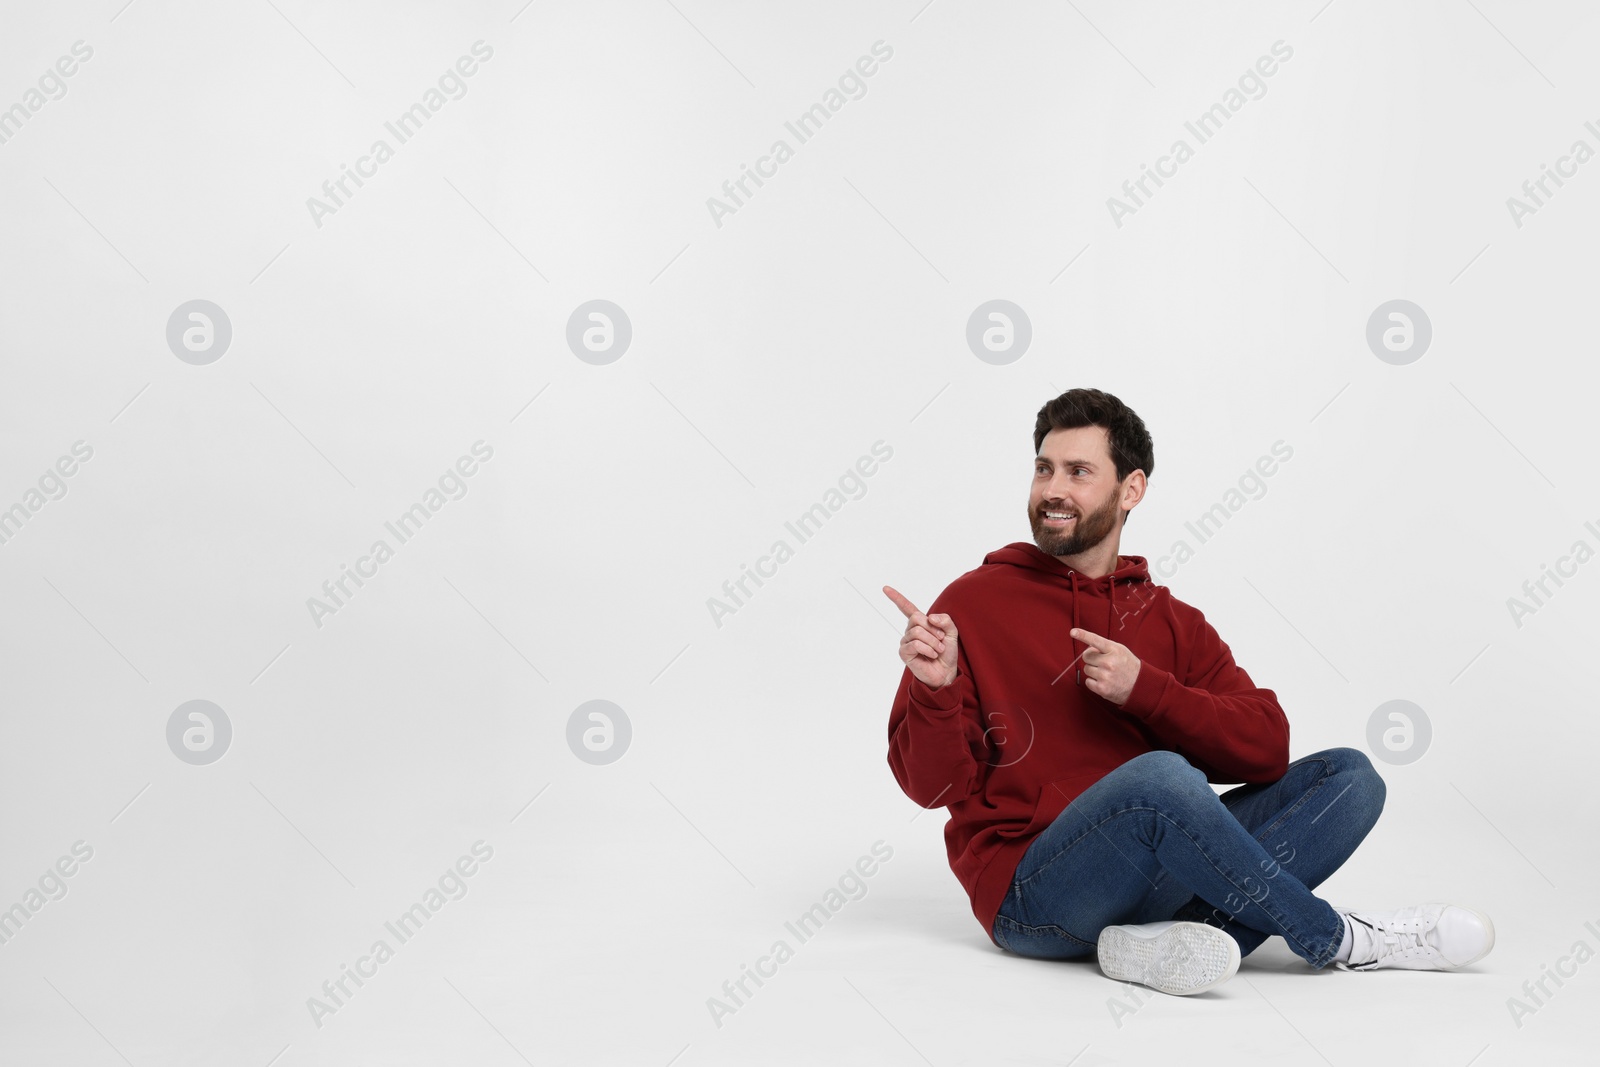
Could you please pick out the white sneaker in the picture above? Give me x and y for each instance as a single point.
(1171, 957)
(1419, 937)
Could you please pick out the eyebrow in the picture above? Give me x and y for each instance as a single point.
(1070, 462)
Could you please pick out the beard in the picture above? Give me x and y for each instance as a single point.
(1086, 532)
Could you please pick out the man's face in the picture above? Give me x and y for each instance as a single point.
(1074, 474)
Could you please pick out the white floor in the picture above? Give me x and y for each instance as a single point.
(600, 929)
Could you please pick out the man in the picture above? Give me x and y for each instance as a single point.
(1071, 726)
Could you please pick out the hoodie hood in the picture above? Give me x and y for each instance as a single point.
(1132, 573)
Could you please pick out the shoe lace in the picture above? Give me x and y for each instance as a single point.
(1398, 944)
(1397, 937)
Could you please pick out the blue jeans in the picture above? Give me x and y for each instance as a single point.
(1152, 841)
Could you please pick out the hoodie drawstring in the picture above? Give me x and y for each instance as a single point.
(1076, 657)
(1111, 601)
(1111, 611)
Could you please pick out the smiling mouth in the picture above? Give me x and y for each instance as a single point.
(1056, 519)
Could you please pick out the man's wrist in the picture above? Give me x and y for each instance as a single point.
(1149, 686)
(942, 698)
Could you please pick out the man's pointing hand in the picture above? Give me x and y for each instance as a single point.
(928, 647)
(1109, 669)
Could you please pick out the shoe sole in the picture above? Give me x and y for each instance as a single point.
(1184, 959)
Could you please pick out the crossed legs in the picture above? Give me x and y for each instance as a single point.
(1152, 841)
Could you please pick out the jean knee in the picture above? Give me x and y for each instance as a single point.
(1167, 776)
(1159, 761)
(1356, 767)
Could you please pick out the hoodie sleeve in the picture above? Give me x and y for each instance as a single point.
(936, 745)
(1215, 717)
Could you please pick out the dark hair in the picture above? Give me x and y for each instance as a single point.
(1131, 447)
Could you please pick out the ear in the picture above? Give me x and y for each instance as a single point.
(1133, 490)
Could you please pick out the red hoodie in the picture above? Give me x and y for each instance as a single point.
(1017, 736)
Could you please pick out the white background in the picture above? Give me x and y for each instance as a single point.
(768, 354)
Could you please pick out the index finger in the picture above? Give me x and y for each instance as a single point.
(907, 608)
(1090, 638)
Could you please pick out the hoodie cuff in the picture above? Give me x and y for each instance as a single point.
(946, 698)
(1148, 690)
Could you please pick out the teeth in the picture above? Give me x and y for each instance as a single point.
(1057, 515)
